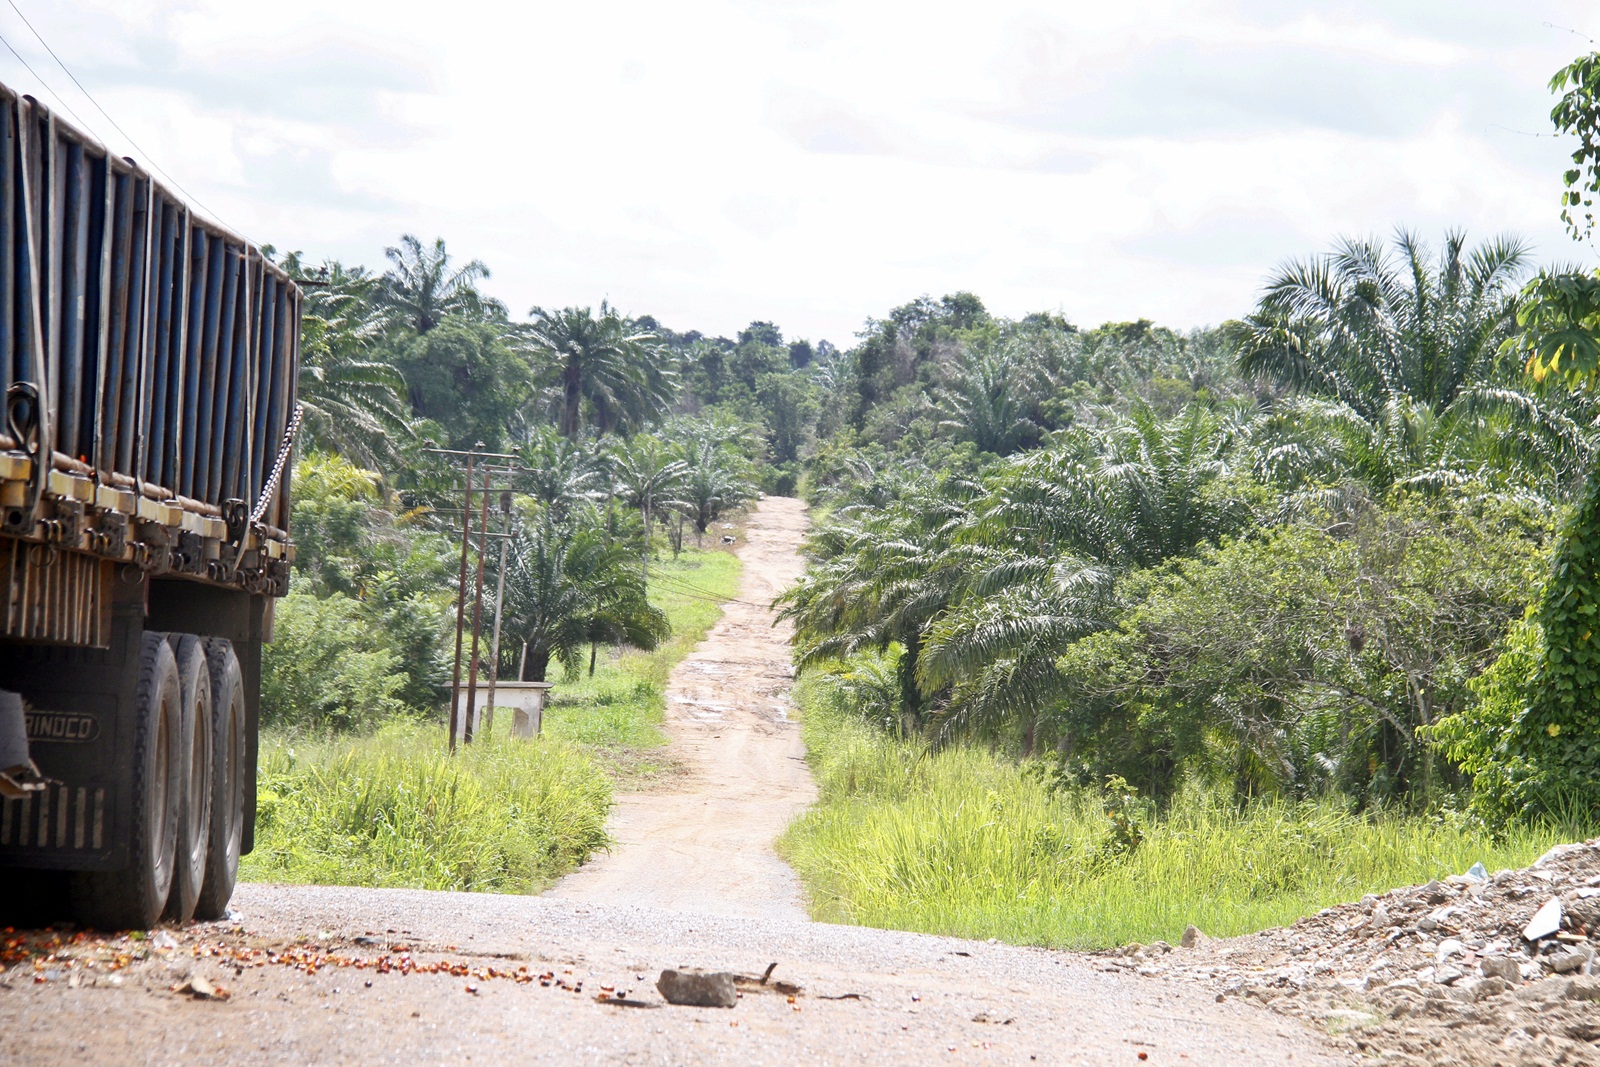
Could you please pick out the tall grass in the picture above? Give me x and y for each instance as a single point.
(391, 807)
(964, 842)
(395, 809)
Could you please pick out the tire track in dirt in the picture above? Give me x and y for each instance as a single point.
(703, 843)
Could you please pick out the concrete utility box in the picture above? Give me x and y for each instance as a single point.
(525, 701)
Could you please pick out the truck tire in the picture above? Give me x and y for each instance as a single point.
(132, 898)
(197, 755)
(227, 780)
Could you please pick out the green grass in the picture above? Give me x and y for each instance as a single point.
(619, 710)
(393, 808)
(964, 842)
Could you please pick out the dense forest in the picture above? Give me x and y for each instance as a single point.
(1333, 547)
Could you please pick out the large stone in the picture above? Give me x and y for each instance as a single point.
(1572, 960)
(1485, 988)
(1501, 967)
(1545, 989)
(698, 989)
(1584, 989)
(1545, 922)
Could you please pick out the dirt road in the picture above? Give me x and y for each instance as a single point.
(331, 975)
(704, 843)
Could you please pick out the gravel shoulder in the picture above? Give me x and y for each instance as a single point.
(296, 993)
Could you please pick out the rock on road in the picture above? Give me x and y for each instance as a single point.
(319, 974)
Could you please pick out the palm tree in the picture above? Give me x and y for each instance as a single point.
(352, 404)
(1361, 325)
(601, 364)
(422, 286)
(712, 484)
(878, 578)
(561, 472)
(567, 585)
(1129, 492)
(1398, 355)
(990, 402)
(996, 649)
(651, 479)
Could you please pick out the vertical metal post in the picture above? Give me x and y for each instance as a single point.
(461, 607)
(477, 610)
(499, 602)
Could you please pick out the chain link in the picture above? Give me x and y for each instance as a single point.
(270, 490)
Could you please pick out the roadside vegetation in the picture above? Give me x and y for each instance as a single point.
(968, 842)
(1104, 630)
(388, 806)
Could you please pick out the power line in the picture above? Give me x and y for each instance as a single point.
(47, 87)
(146, 156)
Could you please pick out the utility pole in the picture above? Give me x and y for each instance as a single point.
(459, 726)
(477, 610)
(461, 611)
(499, 603)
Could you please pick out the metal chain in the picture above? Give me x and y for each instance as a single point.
(270, 490)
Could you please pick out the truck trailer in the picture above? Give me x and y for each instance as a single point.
(148, 363)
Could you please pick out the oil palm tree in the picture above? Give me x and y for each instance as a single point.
(713, 483)
(877, 580)
(422, 285)
(352, 402)
(608, 374)
(1129, 491)
(991, 400)
(566, 586)
(562, 474)
(649, 477)
(995, 649)
(1364, 323)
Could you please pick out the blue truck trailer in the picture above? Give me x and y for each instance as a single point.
(148, 362)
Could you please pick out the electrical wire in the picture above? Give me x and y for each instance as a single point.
(49, 89)
(695, 592)
(148, 158)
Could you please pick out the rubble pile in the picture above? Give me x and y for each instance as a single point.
(1476, 969)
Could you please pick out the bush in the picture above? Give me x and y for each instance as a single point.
(325, 668)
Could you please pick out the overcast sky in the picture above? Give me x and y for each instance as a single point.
(816, 162)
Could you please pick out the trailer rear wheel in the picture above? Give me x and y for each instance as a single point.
(134, 896)
(227, 780)
(198, 753)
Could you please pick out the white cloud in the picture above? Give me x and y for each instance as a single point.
(818, 162)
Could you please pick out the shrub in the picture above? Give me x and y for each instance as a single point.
(326, 669)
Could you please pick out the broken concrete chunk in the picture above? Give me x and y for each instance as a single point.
(698, 989)
(1584, 989)
(1545, 921)
(1501, 967)
(1572, 960)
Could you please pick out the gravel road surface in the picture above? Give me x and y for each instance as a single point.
(334, 975)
